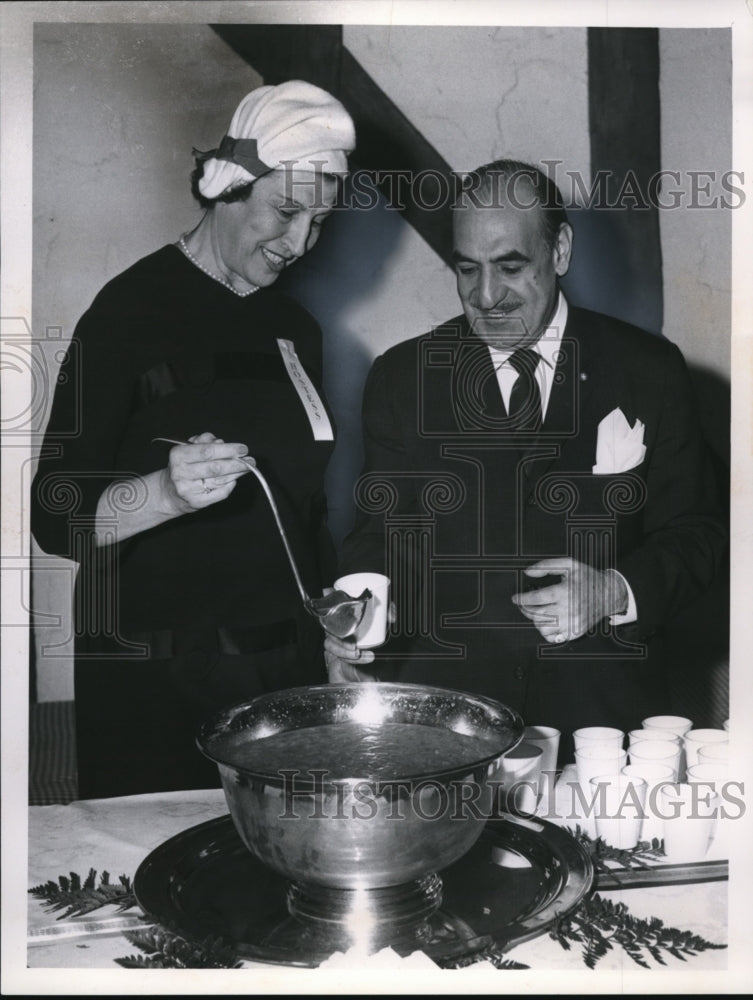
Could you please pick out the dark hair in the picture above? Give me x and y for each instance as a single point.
(239, 193)
(546, 193)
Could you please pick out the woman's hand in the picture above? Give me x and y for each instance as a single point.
(202, 472)
(198, 474)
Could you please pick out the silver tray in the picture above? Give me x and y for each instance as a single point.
(520, 877)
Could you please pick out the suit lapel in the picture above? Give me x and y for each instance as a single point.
(475, 389)
(576, 402)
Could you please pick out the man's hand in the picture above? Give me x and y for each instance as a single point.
(568, 609)
(343, 660)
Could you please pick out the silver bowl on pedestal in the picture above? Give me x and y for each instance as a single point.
(383, 786)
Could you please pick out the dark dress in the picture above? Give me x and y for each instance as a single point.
(202, 611)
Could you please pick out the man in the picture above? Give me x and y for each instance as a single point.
(536, 485)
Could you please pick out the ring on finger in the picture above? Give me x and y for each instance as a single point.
(206, 489)
(559, 637)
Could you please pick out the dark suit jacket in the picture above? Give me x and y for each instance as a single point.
(453, 505)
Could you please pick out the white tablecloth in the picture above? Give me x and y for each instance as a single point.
(116, 835)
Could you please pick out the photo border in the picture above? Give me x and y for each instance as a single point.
(16, 69)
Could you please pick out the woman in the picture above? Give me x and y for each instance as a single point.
(185, 600)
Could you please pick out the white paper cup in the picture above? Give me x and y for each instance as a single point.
(521, 777)
(636, 735)
(654, 775)
(595, 761)
(598, 736)
(698, 738)
(657, 752)
(373, 628)
(620, 808)
(569, 804)
(714, 753)
(548, 740)
(689, 819)
(663, 735)
(674, 723)
(563, 794)
(714, 776)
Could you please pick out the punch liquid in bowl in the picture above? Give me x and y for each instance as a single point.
(352, 749)
(360, 785)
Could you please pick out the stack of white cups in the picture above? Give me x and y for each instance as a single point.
(598, 754)
(650, 751)
(669, 726)
(653, 797)
(521, 778)
(690, 819)
(598, 750)
(620, 808)
(652, 827)
(695, 739)
(707, 752)
(685, 817)
(547, 740)
(714, 753)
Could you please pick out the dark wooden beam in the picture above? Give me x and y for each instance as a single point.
(280, 52)
(625, 131)
(388, 146)
(395, 150)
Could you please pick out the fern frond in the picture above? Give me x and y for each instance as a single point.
(164, 949)
(76, 898)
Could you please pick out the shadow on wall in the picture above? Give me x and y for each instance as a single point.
(697, 640)
(697, 651)
(603, 275)
(327, 282)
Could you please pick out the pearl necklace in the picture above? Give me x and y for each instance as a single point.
(211, 274)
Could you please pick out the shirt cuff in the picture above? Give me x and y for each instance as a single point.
(631, 615)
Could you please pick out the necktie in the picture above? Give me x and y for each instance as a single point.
(525, 399)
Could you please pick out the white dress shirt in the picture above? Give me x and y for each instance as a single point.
(547, 346)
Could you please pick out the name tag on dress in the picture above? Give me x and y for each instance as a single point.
(308, 395)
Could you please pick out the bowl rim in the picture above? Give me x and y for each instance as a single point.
(303, 783)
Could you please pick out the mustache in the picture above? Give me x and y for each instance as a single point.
(502, 310)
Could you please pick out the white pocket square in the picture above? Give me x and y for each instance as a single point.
(619, 447)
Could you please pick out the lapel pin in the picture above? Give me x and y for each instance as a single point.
(583, 376)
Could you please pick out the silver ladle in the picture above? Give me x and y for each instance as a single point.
(338, 612)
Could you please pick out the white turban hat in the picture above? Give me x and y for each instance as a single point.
(292, 125)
